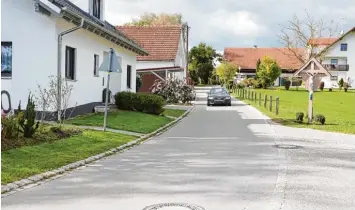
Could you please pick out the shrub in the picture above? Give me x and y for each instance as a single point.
(341, 83)
(320, 118)
(240, 86)
(9, 127)
(330, 89)
(125, 100)
(346, 86)
(27, 119)
(287, 84)
(321, 86)
(173, 90)
(299, 117)
(142, 102)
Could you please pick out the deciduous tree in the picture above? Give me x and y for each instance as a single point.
(150, 19)
(268, 71)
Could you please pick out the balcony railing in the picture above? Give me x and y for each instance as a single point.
(332, 67)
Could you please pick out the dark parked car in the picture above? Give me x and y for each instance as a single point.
(219, 95)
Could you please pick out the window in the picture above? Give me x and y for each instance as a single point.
(129, 75)
(343, 47)
(334, 78)
(70, 63)
(97, 8)
(96, 65)
(334, 61)
(6, 59)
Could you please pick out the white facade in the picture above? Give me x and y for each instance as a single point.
(180, 60)
(34, 56)
(343, 61)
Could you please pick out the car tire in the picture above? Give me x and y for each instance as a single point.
(230, 104)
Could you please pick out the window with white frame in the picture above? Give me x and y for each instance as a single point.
(6, 59)
(129, 76)
(334, 61)
(334, 78)
(70, 63)
(344, 47)
(96, 65)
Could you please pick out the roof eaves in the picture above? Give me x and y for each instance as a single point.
(72, 9)
(340, 38)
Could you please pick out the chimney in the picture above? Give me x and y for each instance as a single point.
(97, 8)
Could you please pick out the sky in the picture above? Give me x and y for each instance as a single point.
(233, 23)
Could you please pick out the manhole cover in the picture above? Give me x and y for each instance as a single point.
(173, 206)
(287, 146)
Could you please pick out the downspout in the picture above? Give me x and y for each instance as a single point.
(59, 65)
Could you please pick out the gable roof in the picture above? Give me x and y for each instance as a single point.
(322, 41)
(161, 42)
(247, 58)
(318, 68)
(72, 13)
(336, 41)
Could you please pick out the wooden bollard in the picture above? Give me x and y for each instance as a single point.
(277, 105)
(255, 97)
(265, 101)
(259, 99)
(270, 108)
(252, 95)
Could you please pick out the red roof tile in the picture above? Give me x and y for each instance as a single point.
(160, 41)
(246, 58)
(322, 41)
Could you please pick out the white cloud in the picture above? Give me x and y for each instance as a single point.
(239, 23)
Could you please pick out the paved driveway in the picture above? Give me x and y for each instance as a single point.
(218, 158)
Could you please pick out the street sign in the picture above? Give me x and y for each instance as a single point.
(110, 64)
(115, 63)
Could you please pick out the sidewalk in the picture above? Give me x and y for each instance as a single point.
(306, 134)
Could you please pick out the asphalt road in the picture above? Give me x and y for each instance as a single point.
(217, 158)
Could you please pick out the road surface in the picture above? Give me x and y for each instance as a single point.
(218, 158)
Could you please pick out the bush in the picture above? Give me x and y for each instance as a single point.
(9, 127)
(321, 86)
(173, 90)
(142, 102)
(287, 84)
(299, 117)
(330, 89)
(320, 118)
(240, 86)
(27, 119)
(346, 86)
(341, 83)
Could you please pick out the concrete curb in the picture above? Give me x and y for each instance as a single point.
(56, 173)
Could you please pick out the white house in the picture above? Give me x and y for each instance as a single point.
(40, 38)
(167, 48)
(339, 59)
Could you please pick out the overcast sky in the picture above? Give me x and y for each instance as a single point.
(232, 23)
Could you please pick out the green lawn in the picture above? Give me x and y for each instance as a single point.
(173, 112)
(338, 107)
(124, 120)
(26, 161)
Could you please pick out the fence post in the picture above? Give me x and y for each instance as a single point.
(265, 100)
(255, 97)
(259, 99)
(252, 96)
(277, 105)
(270, 104)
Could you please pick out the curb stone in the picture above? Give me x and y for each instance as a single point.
(50, 175)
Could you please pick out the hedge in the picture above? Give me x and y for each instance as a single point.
(141, 102)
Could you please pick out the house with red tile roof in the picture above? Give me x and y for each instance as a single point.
(246, 59)
(167, 48)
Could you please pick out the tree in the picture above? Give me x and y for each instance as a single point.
(151, 19)
(226, 71)
(201, 61)
(268, 71)
(299, 33)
